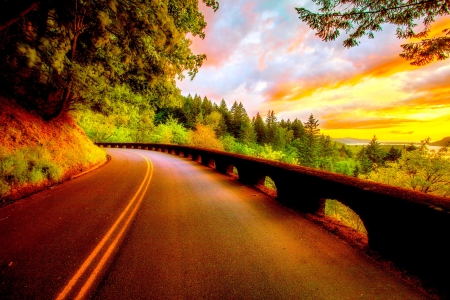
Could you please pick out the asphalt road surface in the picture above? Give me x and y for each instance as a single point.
(150, 225)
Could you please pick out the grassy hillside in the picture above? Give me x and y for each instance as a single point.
(35, 154)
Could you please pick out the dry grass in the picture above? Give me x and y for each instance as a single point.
(35, 154)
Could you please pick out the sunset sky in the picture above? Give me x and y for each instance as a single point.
(260, 53)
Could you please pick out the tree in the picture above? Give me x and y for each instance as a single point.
(260, 129)
(307, 144)
(365, 164)
(393, 155)
(297, 128)
(423, 170)
(207, 106)
(271, 127)
(375, 153)
(56, 54)
(240, 122)
(204, 137)
(367, 17)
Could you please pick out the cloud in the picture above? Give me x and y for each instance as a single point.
(401, 132)
(261, 54)
(331, 122)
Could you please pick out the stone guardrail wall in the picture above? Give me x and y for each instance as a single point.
(407, 227)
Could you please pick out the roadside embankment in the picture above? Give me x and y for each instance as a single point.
(35, 154)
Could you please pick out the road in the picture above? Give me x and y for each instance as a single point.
(149, 225)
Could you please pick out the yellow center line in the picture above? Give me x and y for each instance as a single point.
(113, 245)
(73, 281)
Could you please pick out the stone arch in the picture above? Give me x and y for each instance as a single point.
(211, 163)
(267, 185)
(346, 220)
(197, 158)
(232, 171)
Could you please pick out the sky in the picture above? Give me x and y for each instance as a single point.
(259, 53)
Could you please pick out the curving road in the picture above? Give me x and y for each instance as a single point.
(150, 225)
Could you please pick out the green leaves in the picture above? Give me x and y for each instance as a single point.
(86, 47)
(363, 18)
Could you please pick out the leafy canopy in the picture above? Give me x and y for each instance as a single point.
(364, 17)
(55, 54)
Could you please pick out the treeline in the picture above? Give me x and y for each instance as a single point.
(200, 122)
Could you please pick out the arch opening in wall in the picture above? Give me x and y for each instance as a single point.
(232, 171)
(346, 222)
(268, 186)
(212, 163)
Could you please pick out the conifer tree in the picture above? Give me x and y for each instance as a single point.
(374, 152)
(297, 128)
(271, 127)
(260, 129)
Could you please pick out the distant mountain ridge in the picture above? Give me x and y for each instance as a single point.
(444, 142)
(349, 140)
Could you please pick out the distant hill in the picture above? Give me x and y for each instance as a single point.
(444, 142)
(349, 140)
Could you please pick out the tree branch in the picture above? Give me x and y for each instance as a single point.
(21, 15)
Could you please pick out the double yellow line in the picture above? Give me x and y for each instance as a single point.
(108, 243)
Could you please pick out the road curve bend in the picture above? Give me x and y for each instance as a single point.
(150, 225)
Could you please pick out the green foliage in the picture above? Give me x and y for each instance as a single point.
(347, 167)
(260, 129)
(422, 170)
(171, 133)
(375, 153)
(27, 166)
(227, 142)
(364, 18)
(63, 53)
(204, 137)
(269, 183)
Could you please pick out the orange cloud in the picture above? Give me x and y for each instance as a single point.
(336, 122)
(373, 66)
(401, 132)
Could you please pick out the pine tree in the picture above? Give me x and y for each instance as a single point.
(375, 153)
(207, 106)
(298, 129)
(260, 129)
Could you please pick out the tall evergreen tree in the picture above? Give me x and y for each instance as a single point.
(271, 126)
(375, 152)
(298, 129)
(207, 106)
(260, 129)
